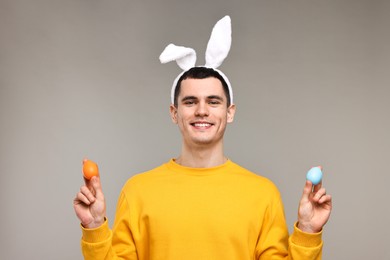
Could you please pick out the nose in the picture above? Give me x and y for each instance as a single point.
(201, 109)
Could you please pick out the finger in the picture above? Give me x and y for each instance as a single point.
(317, 187)
(87, 182)
(307, 190)
(81, 198)
(319, 194)
(325, 199)
(88, 193)
(96, 185)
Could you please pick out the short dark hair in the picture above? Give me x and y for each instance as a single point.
(201, 73)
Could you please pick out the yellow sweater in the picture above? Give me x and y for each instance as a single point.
(179, 213)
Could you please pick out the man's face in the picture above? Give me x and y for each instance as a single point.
(202, 112)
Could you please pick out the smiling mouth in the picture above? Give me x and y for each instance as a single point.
(202, 125)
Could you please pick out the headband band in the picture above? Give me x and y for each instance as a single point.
(217, 50)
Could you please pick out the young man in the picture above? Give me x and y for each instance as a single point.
(201, 205)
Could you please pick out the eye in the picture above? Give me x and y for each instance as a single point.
(189, 102)
(214, 102)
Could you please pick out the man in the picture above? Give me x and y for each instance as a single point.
(200, 205)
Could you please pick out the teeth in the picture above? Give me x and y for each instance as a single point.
(202, 125)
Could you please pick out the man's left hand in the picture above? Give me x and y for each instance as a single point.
(314, 208)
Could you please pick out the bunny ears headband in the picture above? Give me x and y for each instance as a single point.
(217, 50)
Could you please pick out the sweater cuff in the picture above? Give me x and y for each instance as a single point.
(94, 235)
(306, 239)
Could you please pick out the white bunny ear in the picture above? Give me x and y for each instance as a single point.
(219, 44)
(184, 57)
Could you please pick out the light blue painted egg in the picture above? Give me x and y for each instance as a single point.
(314, 175)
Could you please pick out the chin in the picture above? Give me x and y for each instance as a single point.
(204, 141)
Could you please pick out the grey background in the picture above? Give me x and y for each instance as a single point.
(82, 78)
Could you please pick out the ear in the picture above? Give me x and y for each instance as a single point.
(173, 112)
(230, 113)
(219, 43)
(184, 57)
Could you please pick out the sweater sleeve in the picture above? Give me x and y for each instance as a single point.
(275, 243)
(102, 243)
(305, 245)
(96, 243)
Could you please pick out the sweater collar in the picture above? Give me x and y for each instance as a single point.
(172, 165)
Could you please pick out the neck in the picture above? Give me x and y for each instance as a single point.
(202, 156)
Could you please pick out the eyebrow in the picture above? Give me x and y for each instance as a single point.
(215, 97)
(188, 98)
(195, 98)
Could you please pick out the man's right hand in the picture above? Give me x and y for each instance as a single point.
(89, 203)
